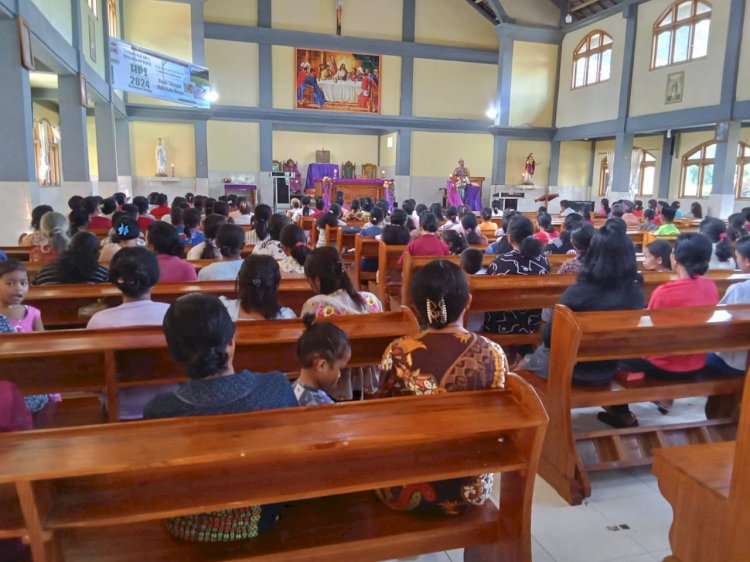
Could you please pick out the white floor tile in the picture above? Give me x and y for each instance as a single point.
(611, 484)
(580, 534)
(641, 558)
(432, 557)
(661, 554)
(538, 553)
(648, 516)
(456, 555)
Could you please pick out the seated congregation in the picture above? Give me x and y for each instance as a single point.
(191, 276)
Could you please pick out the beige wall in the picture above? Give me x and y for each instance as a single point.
(532, 91)
(282, 65)
(179, 142)
(598, 102)
(600, 153)
(437, 154)
(87, 15)
(233, 69)
(58, 13)
(361, 18)
(447, 22)
(534, 12)
(163, 27)
(435, 95)
(388, 154)
(301, 147)
(702, 76)
(575, 159)
(390, 86)
(41, 112)
(743, 77)
(237, 12)
(518, 150)
(233, 146)
(91, 141)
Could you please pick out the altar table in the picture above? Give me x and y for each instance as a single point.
(316, 172)
(354, 189)
(341, 91)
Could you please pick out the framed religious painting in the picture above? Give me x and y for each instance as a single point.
(337, 81)
(675, 87)
(27, 56)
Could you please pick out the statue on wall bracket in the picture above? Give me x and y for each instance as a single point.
(529, 169)
(161, 159)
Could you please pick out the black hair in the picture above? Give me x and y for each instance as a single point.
(545, 223)
(276, 224)
(367, 204)
(398, 217)
(471, 260)
(652, 203)
(451, 213)
(161, 199)
(328, 219)
(668, 213)
(715, 230)
(521, 231)
(675, 204)
(191, 218)
(542, 210)
(78, 263)
(230, 239)
(456, 241)
(258, 285)
(37, 214)
(141, 203)
(323, 340)
(325, 265)
(108, 206)
(221, 208)
(200, 202)
(395, 235)
(696, 210)
(210, 229)
(580, 238)
(120, 198)
(661, 249)
(693, 252)
(125, 227)
(746, 211)
(339, 200)
(573, 221)
(408, 206)
(649, 214)
(428, 222)
(605, 205)
(610, 260)
(189, 198)
(320, 204)
(198, 330)
(176, 215)
(305, 200)
(638, 205)
(130, 209)
(134, 271)
(437, 210)
(743, 248)
(78, 219)
(152, 197)
(440, 288)
(12, 265)
(260, 220)
(293, 238)
(165, 239)
(469, 222)
(210, 203)
(75, 202)
(420, 208)
(355, 205)
(564, 204)
(243, 206)
(335, 210)
(178, 200)
(507, 217)
(376, 216)
(736, 227)
(486, 214)
(618, 209)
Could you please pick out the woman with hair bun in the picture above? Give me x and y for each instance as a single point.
(722, 255)
(201, 337)
(230, 239)
(53, 237)
(164, 240)
(525, 258)
(294, 243)
(445, 357)
(257, 287)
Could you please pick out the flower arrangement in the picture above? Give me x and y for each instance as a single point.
(390, 193)
(326, 185)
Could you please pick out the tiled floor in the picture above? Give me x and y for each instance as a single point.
(626, 519)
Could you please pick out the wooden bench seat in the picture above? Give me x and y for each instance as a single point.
(118, 481)
(364, 248)
(594, 336)
(109, 359)
(707, 486)
(60, 303)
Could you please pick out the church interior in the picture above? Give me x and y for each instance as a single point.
(542, 204)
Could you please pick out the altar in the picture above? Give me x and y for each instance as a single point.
(353, 189)
(472, 196)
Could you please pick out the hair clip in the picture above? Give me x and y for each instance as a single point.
(437, 313)
(298, 244)
(257, 282)
(123, 230)
(723, 236)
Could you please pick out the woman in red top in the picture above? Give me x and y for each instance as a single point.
(164, 240)
(546, 231)
(161, 208)
(690, 258)
(428, 243)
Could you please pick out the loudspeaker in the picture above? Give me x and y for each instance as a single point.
(281, 197)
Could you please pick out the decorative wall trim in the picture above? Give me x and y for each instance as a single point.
(589, 130)
(247, 34)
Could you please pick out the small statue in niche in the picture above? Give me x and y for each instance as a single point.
(161, 159)
(529, 169)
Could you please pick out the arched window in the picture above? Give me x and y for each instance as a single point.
(112, 14)
(681, 33)
(592, 59)
(647, 177)
(698, 171)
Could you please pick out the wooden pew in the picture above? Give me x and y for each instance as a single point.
(107, 360)
(412, 264)
(568, 457)
(60, 303)
(103, 492)
(364, 248)
(389, 273)
(708, 486)
(20, 253)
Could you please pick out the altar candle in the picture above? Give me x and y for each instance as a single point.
(335, 173)
(172, 169)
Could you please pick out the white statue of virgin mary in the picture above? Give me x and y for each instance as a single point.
(161, 158)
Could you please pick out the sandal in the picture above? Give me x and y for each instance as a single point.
(619, 420)
(664, 406)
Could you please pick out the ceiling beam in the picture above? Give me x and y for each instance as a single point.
(502, 15)
(481, 7)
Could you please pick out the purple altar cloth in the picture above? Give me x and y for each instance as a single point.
(454, 198)
(359, 180)
(318, 172)
(473, 197)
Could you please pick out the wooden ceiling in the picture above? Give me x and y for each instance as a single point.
(578, 9)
